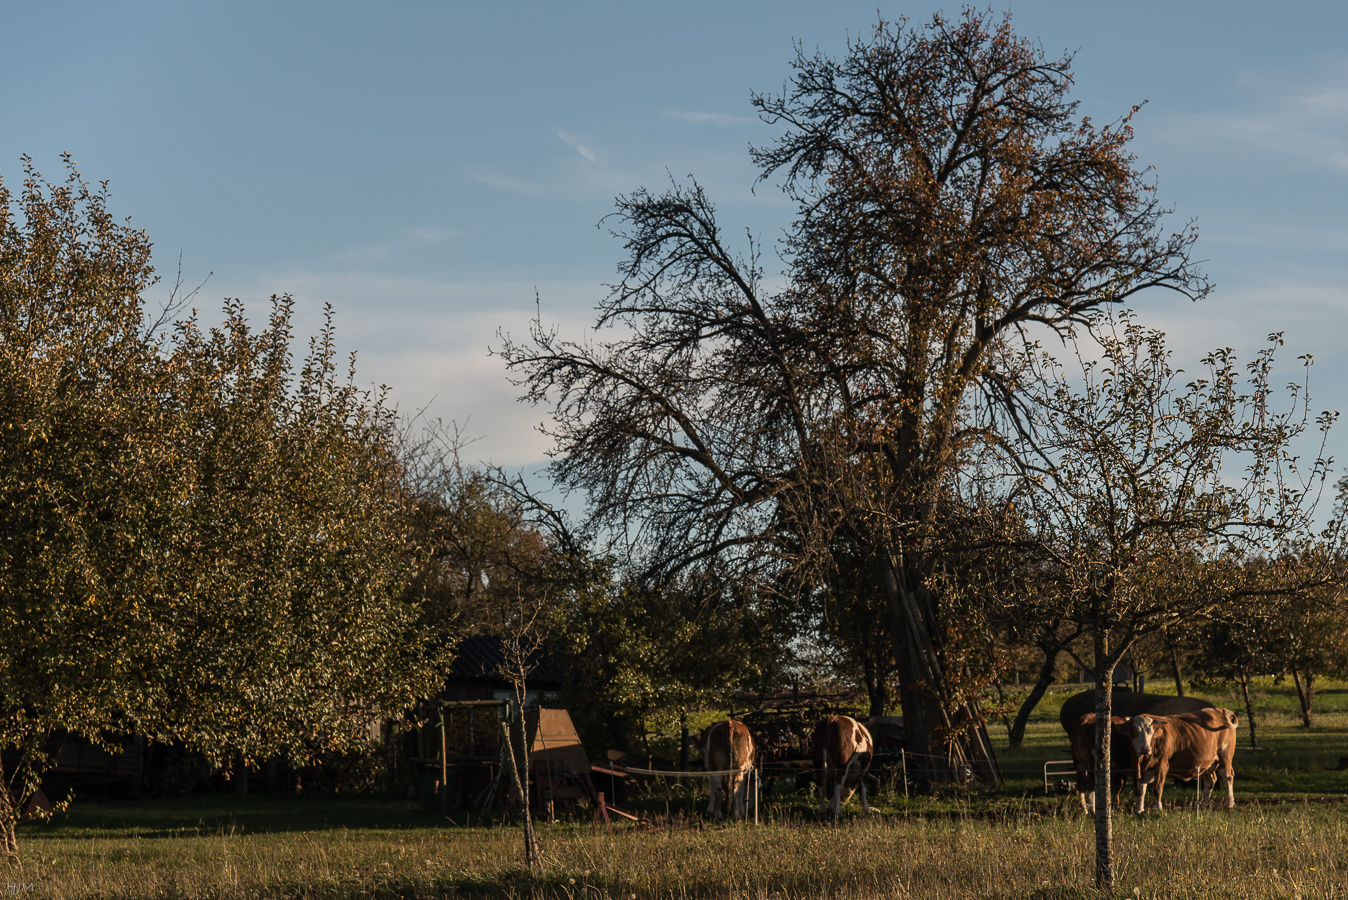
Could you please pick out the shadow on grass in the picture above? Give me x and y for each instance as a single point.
(522, 886)
(261, 814)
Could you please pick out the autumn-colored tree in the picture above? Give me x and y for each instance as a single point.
(949, 201)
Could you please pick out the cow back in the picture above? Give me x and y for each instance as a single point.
(727, 745)
(1127, 704)
(837, 739)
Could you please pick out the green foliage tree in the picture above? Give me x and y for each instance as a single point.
(641, 655)
(850, 615)
(948, 201)
(484, 547)
(1128, 508)
(1235, 649)
(1306, 640)
(296, 550)
(88, 490)
(196, 544)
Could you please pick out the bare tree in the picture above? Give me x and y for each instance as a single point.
(949, 200)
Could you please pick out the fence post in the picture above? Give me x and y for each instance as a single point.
(444, 765)
(903, 756)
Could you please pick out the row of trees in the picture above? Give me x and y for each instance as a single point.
(880, 431)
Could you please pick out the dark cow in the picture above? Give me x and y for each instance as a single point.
(1197, 745)
(1127, 704)
(1123, 704)
(1082, 737)
(727, 747)
(841, 748)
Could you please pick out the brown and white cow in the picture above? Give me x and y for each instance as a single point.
(1194, 745)
(841, 747)
(1082, 738)
(727, 747)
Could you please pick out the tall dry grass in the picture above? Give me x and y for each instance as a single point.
(1291, 851)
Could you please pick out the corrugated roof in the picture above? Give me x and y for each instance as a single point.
(479, 657)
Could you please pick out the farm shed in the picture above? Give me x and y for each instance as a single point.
(476, 672)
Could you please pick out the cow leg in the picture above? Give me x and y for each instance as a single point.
(1144, 778)
(1206, 782)
(836, 805)
(714, 807)
(1160, 785)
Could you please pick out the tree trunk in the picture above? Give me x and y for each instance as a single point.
(1303, 696)
(532, 857)
(875, 687)
(922, 688)
(683, 741)
(1104, 813)
(9, 817)
(1036, 694)
(1001, 699)
(1249, 706)
(1175, 666)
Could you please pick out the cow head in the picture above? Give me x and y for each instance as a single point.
(1141, 731)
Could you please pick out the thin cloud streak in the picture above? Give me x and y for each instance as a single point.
(579, 147)
(1303, 119)
(706, 118)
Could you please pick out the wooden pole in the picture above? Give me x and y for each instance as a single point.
(444, 766)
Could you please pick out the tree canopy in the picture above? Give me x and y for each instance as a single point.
(198, 543)
(950, 204)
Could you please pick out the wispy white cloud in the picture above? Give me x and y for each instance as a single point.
(1307, 314)
(705, 118)
(428, 340)
(1283, 115)
(583, 150)
(382, 251)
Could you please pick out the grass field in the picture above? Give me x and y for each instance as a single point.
(1287, 838)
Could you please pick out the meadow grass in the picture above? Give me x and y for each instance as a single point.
(1287, 850)
(1287, 838)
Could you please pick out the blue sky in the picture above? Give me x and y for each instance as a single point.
(426, 167)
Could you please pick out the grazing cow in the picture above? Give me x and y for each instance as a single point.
(841, 747)
(1197, 745)
(727, 747)
(1123, 703)
(1082, 737)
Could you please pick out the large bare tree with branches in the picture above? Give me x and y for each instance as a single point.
(950, 205)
